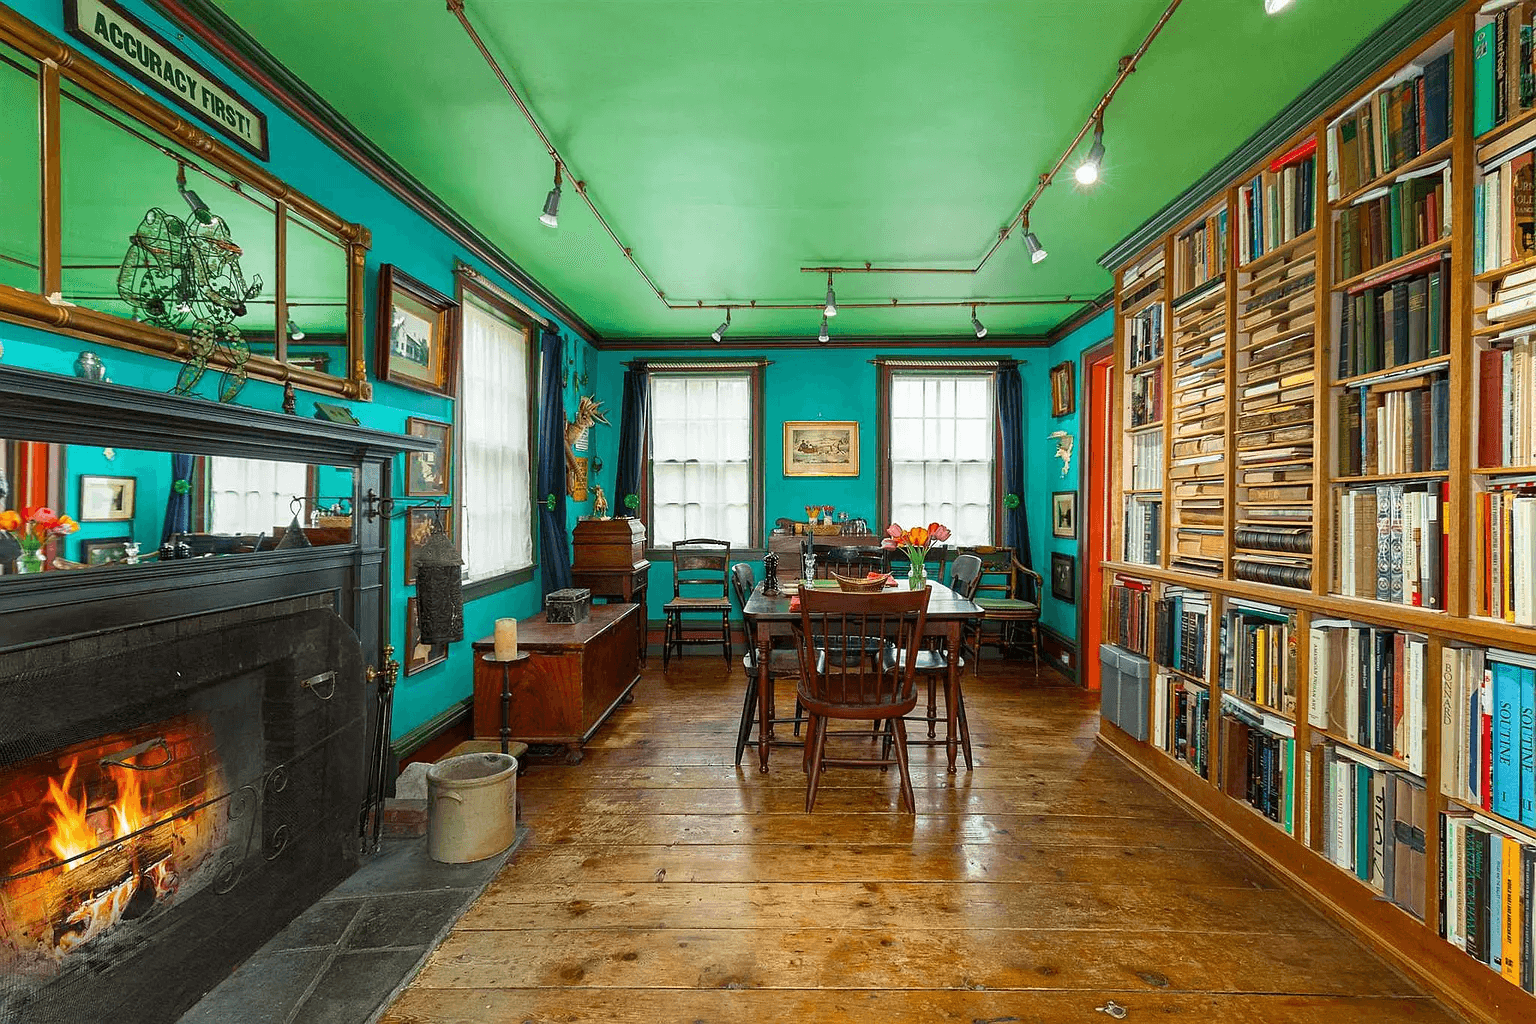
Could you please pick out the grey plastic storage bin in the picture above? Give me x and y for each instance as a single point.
(1126, 680)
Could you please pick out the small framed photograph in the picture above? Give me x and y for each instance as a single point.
(417, 334)
(821, 448)
(419, 656)
(108, 499)
(427, 474)
(102, 551)
(1064, 514)
(418, 527)
(1063, 389)
(1064, 577)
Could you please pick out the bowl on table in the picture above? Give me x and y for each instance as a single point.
(872, 584)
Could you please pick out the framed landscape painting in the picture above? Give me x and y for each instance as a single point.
(108, 499)
(1064, 514)
(1063, 389)
(427, 474)
(416, 335)
(821, 448)
(418, 655)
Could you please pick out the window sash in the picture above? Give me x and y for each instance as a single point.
(943, 452)
(252, 496)
(702, 457)
(495, 445)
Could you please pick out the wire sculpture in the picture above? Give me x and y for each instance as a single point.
(176, 271)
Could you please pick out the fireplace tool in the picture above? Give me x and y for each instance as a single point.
(371, 824)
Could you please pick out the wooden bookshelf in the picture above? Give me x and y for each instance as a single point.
(1143, 409)
(1270, 326)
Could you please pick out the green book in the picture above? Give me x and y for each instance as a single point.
(1395, 199)
(1482, 80)
(1290, 786)
(1434, 314)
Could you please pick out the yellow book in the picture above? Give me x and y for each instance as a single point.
(1513, 918)
(1260, 658)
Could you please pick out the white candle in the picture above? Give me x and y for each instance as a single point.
(506, 639)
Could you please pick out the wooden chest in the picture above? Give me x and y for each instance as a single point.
(608, 544)
(574, 677)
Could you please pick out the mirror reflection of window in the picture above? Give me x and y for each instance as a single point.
(20, 184)
(252, 496)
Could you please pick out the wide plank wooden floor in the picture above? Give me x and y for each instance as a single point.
(662, 884)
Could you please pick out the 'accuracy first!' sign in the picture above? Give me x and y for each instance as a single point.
(134, 46)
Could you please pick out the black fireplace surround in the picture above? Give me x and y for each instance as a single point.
(214, 720)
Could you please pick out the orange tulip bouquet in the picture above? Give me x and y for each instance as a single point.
(32, 531)
(915, 542)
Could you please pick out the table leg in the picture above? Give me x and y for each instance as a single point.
(764, 696)
(951, 695)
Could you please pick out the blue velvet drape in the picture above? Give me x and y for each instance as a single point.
(631, 467)
(554, 551)
(178, 507)
(1010, 412)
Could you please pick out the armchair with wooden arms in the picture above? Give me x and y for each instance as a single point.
(1009, 592)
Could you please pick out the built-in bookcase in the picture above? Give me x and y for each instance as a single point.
(1362, 363)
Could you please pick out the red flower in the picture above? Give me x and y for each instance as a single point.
(895, 532)
(938, 532)
(44, 516)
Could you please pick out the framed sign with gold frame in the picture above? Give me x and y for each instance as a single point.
(417, 334)
(821, 448)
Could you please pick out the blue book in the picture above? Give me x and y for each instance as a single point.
(1527, 745)
(1506, 740)
(1176, 651)
(1362, 823)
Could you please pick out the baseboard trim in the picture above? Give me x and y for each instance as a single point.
(409, 743)
(1061, 652)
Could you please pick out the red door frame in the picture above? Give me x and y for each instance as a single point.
(1093, 498)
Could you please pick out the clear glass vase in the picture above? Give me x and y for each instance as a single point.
(29, 562)
(917, 576)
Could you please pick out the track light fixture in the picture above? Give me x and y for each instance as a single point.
(976, 325)
(831, 309)
(1276, 6)
(294, 334)
(719, 332)
(823, 337)
(1088, 171)
(1032, 243)
(551, 214)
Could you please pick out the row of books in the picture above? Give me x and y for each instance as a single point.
(1390, 543)
(1276, 571)
(1146, 460)
(1394, 220)
(1146, 391)
(1504, 229)
(1258, 763)
(1181, 720)
(1503, 86)
(1129, 601)
(1200, 256)
(1144, 335)
(1367, 685)
(1506, 550)
(1279, 204)
(1181, 630)
(1488, 895)
(1506, 402)
(1373, 824)
(1143, 530)
(1488, 730)
(1391, 127)
(1259, 648)
(1391, 323)
(1395, 428)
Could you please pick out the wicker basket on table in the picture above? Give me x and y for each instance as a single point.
(862, 584)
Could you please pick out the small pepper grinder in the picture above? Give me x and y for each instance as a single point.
(771, 573)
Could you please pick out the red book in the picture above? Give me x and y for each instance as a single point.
(1485, 788)
(1301, 152)
(1490, 408)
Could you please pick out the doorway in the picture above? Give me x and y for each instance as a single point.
(1094, 490)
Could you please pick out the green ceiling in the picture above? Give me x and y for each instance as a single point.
(730, 142)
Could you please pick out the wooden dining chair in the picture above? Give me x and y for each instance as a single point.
(1009, 593)
(699, 588)
(783, 663)
(878, 687)
(854, 560)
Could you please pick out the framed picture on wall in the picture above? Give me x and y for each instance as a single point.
(1063, 389)
(108, 499)
(418, 527)
(419, 656)
(821, 448)
(427, 474)
(417, 334)
(1064, 514)
(1064, 577)
(105, 550)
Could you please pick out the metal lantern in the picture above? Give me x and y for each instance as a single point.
(293, 537)
(439, 589)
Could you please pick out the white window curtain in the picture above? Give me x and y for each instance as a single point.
(493, 421)
(252, 495)
(701, 457)
(943, 444)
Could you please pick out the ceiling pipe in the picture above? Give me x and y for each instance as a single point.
(1127, 65)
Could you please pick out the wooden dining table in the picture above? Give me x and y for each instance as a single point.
(948, 615)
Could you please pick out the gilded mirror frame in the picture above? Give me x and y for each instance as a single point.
(60, 62)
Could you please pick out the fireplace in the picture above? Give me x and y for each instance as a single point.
(170, 796)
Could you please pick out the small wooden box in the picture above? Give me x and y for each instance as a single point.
(567, 607)
(607, 544)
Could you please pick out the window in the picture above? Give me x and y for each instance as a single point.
(495, 437)
(943, 447)
(253, 495)
(704, 464)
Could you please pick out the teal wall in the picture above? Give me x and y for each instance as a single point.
(401, 237)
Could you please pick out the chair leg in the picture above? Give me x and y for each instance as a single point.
(799, 713)
(725, 636)
(666, 644)
(907, 799)
(1034, 644)
(965, 729)
(888, 737)
(748, 713)
(810, 743)
(820, 728)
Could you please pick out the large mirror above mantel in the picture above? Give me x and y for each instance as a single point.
(121, 223)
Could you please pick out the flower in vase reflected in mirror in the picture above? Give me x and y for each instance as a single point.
(32, 530)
